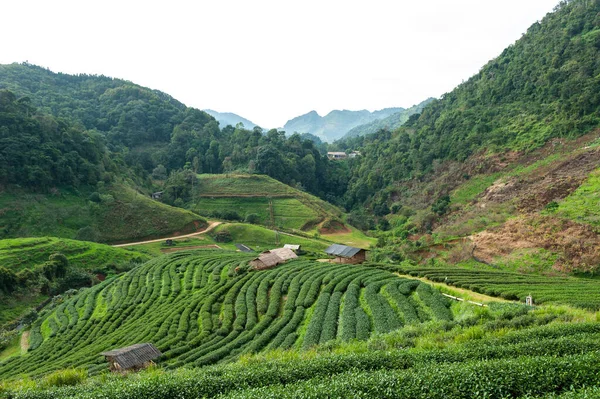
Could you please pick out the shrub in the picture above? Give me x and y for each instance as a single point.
(223, 236)
(252, 218)
(65, 377)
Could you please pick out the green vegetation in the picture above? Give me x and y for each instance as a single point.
(579, 292)
(261, 239)
(497, 352)
(21, 253)
(540, 88)
(121, 214)
(31, 263)
(235, 196)
(201, 308)
(582, 206)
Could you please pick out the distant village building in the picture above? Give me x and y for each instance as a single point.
(272, 258)
(243, 248)
(336, 155)
(157, 195)
(346, 254)
(131, 358)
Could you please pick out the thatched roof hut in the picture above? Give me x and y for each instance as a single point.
(134, 357)
(284, 253)
(266, 260)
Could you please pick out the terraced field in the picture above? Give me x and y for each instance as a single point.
(579, 292)
(274, 203)
(198, 311)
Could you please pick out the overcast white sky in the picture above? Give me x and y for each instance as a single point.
(270, 61)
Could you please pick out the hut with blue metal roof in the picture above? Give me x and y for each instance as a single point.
(346, 254)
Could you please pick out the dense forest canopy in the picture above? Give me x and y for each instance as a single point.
(40, 151)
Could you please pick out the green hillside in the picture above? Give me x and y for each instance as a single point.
(117, 214)
(199, 310)
(27, 257)
(542, 87)
(274, 203)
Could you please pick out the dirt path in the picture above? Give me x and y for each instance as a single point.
(211, 226)
(459, 292)
(24, 342)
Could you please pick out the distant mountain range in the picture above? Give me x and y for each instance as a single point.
(338, 124)
(391, 122)
(229, 118)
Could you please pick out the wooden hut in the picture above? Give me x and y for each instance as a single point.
(284, 253)
(266, 260)
(346, 254)
(131, 358)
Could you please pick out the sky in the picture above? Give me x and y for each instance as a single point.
(270, 61)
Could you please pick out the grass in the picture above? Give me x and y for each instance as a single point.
(354, 238)
(261, 239)
(583, 205)
(288, 213)
(14, 306)
(473, 187)
(123, 215)
(13, 348)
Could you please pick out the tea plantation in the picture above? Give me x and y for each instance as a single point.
(198, 310)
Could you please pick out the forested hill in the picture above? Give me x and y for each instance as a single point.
(127, 114)
(40, 151)
(155, 135)
(543, 86)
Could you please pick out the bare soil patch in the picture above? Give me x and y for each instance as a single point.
(546, 184)
(577, 245)
(333, 227)
(25, 342)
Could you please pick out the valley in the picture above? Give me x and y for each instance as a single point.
(129, 220)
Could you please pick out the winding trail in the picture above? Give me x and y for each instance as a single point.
(211, 226)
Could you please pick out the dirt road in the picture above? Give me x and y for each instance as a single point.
(211, 226)
(24, 342)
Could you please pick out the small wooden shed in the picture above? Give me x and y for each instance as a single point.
(131, 358)
(266, 260)
(346, 254)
